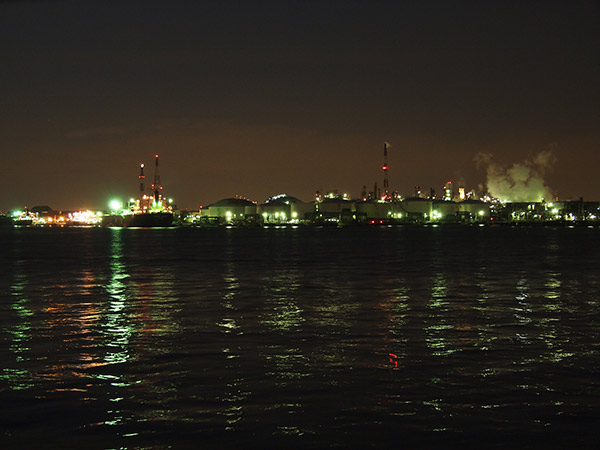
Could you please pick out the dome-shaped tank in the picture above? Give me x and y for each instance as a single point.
(232, 209)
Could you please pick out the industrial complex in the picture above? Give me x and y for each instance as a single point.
(374, 208)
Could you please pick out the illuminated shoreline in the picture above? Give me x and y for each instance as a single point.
(333, 212)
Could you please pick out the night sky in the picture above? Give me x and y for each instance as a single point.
(256, 98)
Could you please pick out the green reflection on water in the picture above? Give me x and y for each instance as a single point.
(553, 308)
(283, 315)
(235, 393)
(282, 312)
(229, 324)
(485, 333)
(438, 299)
(137, 313)
(436, 334)
(397, 309)
(285, 362)
(117, 325)
(553, 285)
(21, 334)
(283, 318)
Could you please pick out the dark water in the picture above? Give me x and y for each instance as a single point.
(281, 338)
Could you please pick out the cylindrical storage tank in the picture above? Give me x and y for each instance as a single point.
(232, 209)
(416, 209)
(368, 210)
(279, 209)
(443, 210)
(336, 206)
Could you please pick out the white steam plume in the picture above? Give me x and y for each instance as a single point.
(522, 182)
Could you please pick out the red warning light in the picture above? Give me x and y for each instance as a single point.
(385, 167)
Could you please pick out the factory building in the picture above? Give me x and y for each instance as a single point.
(523, 212)
(427, 210)
(542, 212)
(471, 210)
(575, 210)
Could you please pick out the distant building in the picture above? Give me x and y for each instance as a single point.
(471, 210)
(334, 208)
(283, 208)
(230, 210)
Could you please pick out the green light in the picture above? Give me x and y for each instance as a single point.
(115, 205)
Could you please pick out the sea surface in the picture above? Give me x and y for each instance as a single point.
(399, 337)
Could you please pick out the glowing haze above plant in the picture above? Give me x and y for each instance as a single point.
(519, 182)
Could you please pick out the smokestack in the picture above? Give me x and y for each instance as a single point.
(448, 191)
(156, 187)
(141, 178)
(386, 183)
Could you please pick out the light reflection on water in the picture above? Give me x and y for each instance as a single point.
(300, 338)
(236, 391)
(117, 325)
(282, 316)
(15, 371)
